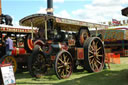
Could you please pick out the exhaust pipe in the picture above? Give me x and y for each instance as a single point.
(50, 7)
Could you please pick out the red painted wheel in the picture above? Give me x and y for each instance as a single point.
(28, 43)
(47, 49)
(9, 60)
(94, 54)
(63, 65)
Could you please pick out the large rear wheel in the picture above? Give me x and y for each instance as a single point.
(94, 54)
(63, 64)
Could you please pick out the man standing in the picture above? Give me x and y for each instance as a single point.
(9, 45)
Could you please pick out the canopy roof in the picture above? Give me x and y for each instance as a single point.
(38, 21)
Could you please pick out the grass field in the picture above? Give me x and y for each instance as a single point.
(117, 75)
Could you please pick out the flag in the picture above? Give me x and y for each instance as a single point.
(115, 22)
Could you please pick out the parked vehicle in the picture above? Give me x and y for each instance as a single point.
(63, 44)
(22, 42)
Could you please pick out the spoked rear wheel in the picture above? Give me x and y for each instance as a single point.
(9, 60)
(94, 54)
(37, 63)
(63, 64)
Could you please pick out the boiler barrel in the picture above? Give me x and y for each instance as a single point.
(17, 51)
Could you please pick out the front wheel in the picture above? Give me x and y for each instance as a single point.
(37, 63)
(63, 64)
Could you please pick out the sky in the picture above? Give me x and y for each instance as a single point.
(86, 10)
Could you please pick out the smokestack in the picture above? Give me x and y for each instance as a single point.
(50, 7)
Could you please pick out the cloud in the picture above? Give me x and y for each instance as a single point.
(106, 2)
(100, 10)
(42, 10)
(124, 1)
(96, 11)
(15, 23)
(63, 14)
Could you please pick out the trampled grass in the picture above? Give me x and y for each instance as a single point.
(117, 75)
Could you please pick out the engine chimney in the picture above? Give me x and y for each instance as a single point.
(50, 7)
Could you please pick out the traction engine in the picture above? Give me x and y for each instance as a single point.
(63, 44)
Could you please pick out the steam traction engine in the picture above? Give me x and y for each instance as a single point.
(22, 45)
(63, 44)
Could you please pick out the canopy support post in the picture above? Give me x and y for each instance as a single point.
(46, 37)
(32, 29)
